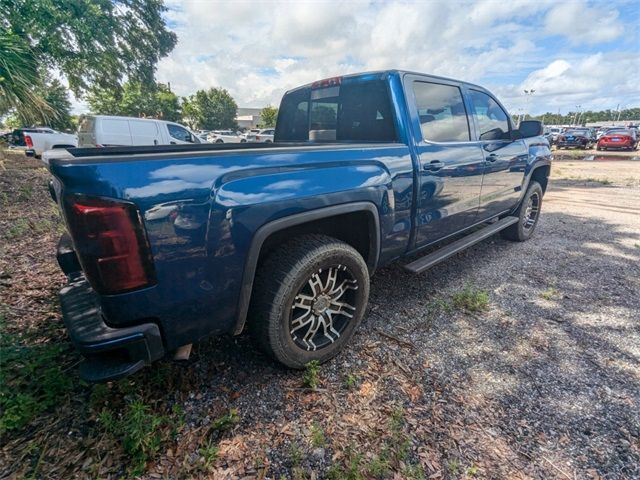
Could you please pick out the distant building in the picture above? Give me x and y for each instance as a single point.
(248, 117)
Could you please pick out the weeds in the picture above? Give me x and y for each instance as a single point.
(317, 436)
(350, 469)
(351, 381)
(141, 430)
(472, 471)
(550, 293)
(471, 299)
(208, 454)
(453, 466)
(227, 421)
(311, 377)
(438, 305)
(32, 382)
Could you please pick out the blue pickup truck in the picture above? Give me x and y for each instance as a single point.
(170, 244)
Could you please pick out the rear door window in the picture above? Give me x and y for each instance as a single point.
(443, 117)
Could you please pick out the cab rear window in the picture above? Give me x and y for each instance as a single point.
(351, 112)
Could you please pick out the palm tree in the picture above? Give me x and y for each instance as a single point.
(19, 78)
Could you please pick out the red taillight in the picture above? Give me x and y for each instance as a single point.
(110, 243)
(28, 142)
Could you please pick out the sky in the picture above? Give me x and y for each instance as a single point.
(571, 53)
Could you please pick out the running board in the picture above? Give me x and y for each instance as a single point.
(447, 251)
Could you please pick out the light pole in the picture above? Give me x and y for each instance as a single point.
(527, 98)
(575, 117)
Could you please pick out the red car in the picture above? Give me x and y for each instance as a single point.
(620, 138)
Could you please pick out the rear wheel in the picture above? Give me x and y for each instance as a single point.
(219, 141)
(528, 214)
(309, 297)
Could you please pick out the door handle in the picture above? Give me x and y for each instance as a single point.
(433, 166)
(491, 158)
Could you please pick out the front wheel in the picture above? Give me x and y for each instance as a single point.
(528, 214)
(309, 297)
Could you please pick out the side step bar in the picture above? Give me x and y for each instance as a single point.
(447, 251)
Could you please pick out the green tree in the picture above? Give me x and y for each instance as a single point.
(92, 42)
(136, 100)
(18, 76)
(268, 117)
(210, 109)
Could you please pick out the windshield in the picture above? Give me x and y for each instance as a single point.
(337, 112)
(576, 132)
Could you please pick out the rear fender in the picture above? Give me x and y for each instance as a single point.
(249, 210)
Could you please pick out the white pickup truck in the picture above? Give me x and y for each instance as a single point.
(45, 139)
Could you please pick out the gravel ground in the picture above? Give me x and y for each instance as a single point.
(542, 382)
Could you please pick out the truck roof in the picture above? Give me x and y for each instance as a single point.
(380, 75)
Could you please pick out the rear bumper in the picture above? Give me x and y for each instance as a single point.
(615, 144)
(110, 353)
(572, 144)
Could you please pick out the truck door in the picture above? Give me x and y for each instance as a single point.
(505, 158)
(451, 163)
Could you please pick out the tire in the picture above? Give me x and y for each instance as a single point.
(293, 284)
(527, 218)
(598, 148)
(219, 141)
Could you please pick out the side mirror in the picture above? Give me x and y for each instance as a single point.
(530, 128)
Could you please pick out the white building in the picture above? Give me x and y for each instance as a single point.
(248, 117)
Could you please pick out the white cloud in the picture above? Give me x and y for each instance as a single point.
(581, 23)
(259, 50)
(595, 82)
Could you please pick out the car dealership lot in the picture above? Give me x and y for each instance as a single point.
(543, 381)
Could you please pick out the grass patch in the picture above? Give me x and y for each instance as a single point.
(32, 381)
(392, 457)
(351, 381)
(141, 431)
(438, 305)
(318, 439)
(350, 469)
(550, 293)
(471, 299)
(208, 455)
(227, 421)
(311, 376)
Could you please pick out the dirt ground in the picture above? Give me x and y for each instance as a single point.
(507, 361)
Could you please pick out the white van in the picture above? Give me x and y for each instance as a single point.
(109, 131)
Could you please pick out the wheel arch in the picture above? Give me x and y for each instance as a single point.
(336, 218)
(541, 175)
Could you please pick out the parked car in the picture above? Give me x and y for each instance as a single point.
(619, 138)
(575, 137)
(552, 134)
(109, 131)
(264, 135)
(225, 136)
(168, 245)
(37, 141)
